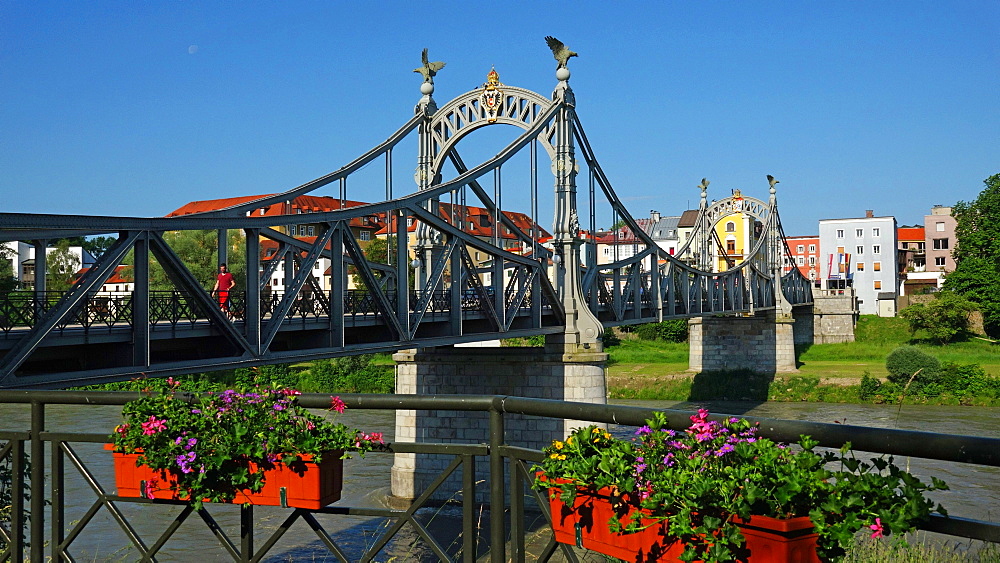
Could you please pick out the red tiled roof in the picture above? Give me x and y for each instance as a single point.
(910, 234)
(115, 276)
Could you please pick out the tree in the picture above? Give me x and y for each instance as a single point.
(944, 319)
(977, 253)
(198, 250)
(377, 250)
(62, 266)
(98, 245)
(8, 281)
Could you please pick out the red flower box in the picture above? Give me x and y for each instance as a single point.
(303, 484)
(585, 524)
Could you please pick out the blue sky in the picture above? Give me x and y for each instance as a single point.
(128, 108)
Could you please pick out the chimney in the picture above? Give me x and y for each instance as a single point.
(869, 213)
(654, 216)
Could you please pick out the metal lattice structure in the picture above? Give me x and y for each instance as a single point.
(434, 289)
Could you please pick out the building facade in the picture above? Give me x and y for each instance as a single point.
(939, 232)
(805, 255)
(860, 253)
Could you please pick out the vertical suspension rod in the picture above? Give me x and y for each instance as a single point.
(535, 235)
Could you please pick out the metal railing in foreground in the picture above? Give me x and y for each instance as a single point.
(48, 531)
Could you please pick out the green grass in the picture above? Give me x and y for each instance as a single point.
(657, 370)
(918, 550)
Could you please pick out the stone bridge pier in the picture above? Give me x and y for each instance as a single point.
(547, 373)
(763, 342)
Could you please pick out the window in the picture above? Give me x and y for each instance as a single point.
(730, 246)
(861, 266)
(875, 232)
(312, 231)
(920, 246)
(302, 230)
(801, 261)
(409, 221)
(840, 233)
(877, 266)
(859, 233)
(812, 248)
(906, 245)
(607, 251)
(840, 250)
(860, 250)
(876, 249)
(812, 260)
(878, 284)
(939, 260)
(730, 227)
(801, 249)
(940, 244)
(939, 226)
(366, 235)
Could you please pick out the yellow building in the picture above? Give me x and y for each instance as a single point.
(735, 235)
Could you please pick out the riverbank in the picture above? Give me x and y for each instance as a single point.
(835, 373)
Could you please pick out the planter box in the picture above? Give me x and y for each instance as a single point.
(585, 524)
(303, 484)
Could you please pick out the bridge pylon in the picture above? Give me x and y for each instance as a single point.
(583, 330)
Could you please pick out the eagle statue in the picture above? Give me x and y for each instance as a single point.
(771, 180)
(429, 69)
(560, 51)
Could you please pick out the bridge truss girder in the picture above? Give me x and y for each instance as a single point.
(559, 291)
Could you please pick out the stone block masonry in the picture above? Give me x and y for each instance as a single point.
(763, 343)
(521, 372)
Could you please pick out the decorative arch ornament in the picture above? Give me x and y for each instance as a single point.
(494, 102)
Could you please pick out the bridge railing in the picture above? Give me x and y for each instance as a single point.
(174, 308)
(43, 455)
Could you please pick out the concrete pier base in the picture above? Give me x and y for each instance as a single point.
(522, 372)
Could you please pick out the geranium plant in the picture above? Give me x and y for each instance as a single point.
(206, 441)
(700, 481)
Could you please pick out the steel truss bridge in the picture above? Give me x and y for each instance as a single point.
(429, 291)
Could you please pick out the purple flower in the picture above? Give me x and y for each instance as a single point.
(642, 430)
(184, 460)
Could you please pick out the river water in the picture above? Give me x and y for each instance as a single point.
(975, 490)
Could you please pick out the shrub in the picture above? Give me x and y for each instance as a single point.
(674, 330)
(969, 380)
(349, 374)
(905, 361)
(944, 319)
(276, 376)
(869, 387)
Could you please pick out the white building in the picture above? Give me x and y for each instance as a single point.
(860, 253)
(23, 265)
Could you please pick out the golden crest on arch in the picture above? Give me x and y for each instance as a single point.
(492, 96)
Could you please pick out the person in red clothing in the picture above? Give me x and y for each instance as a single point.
(223, 283)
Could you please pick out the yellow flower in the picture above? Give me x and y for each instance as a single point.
(562, 457)
(554, 456)
(595, 430)
(569, 441)
(557, 444)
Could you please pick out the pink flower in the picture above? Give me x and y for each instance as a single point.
(153, 426)
(150, 490)
(877, 527)
(337, 404)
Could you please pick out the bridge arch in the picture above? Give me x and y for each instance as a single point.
(493, 103)
(719, 210)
